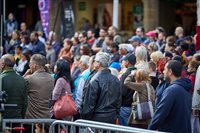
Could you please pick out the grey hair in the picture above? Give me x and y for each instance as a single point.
(8, 60)
(85, 59)
(103, 58)
(39, 59)
(141, 53)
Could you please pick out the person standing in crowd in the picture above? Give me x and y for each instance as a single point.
(173, 113)
(25, 42)
(103, 96)
(65, 52)
(153, 74)
(86, 85)
(85, 72)
(37, 46)
(50, 55)
(91, 37)
(40, 85)
(127, 94)
(15, 87)
(14, 42)
(141, 58)
(108, 42)
(141, 87)
(10, 25)
(115, 56)
(135, 41)
(98, 44)
(63, 83)
(75, 49)
(23, 29)
(55, 45)
(113, 32)
(23, 65)
(179, 33)
(141, 33)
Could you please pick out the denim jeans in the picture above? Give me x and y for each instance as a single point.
(124, 115)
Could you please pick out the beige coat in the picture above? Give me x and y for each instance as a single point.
(141, 90)
(40, 86)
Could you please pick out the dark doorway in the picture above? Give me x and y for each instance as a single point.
(24, 11)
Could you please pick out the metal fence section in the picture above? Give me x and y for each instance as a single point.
(21, 125)
(83, 126)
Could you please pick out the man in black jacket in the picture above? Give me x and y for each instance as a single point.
(127, 94)
(103, 96)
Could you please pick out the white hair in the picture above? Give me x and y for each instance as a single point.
(128, 47)
(141, 53)
(85, 59)
(103, 58)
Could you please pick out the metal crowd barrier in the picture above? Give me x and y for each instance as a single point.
(10, 125)
(136, 130)
(83, 126)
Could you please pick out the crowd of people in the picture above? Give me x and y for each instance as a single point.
(106, 75)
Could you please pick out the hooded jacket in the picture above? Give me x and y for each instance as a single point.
(174, 110)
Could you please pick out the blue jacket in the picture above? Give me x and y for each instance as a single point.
(38, 48)
(159, 90)
(83, 75)
(174, 110)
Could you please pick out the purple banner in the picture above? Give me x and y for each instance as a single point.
(44, 6)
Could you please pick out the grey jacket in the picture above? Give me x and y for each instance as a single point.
(40, 86)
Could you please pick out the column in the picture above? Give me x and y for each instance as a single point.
(151, 14)
(115, 13)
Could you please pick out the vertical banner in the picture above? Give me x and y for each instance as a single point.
(67, 19)
(44, 6)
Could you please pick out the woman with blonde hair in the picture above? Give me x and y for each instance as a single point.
(141, 87)
(141, 58)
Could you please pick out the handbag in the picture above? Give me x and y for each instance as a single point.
(64, 106)
(144, 110)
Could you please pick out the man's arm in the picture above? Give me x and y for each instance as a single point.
(79, 93)
(163, 110)
(90, 99)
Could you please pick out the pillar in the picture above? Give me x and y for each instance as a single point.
(115, 13)
(151, 14)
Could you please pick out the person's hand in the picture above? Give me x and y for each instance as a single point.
(28, 72)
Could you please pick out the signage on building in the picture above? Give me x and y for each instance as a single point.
(67, 20)
(82, 6)
(44, 6)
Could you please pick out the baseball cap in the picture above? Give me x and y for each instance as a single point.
(135, 38)
(131, 58)
(151, 33)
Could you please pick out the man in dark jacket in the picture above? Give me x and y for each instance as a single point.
(103, 96)
(15, 87)
(37, 46)
(127, 94)
(173, 113)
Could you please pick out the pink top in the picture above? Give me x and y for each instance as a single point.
(60, 88)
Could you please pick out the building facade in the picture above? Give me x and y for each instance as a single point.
(131, 13)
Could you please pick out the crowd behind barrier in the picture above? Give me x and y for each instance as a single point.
(148, 81)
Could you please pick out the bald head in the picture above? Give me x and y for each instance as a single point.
(8, 60)
(179, 31)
